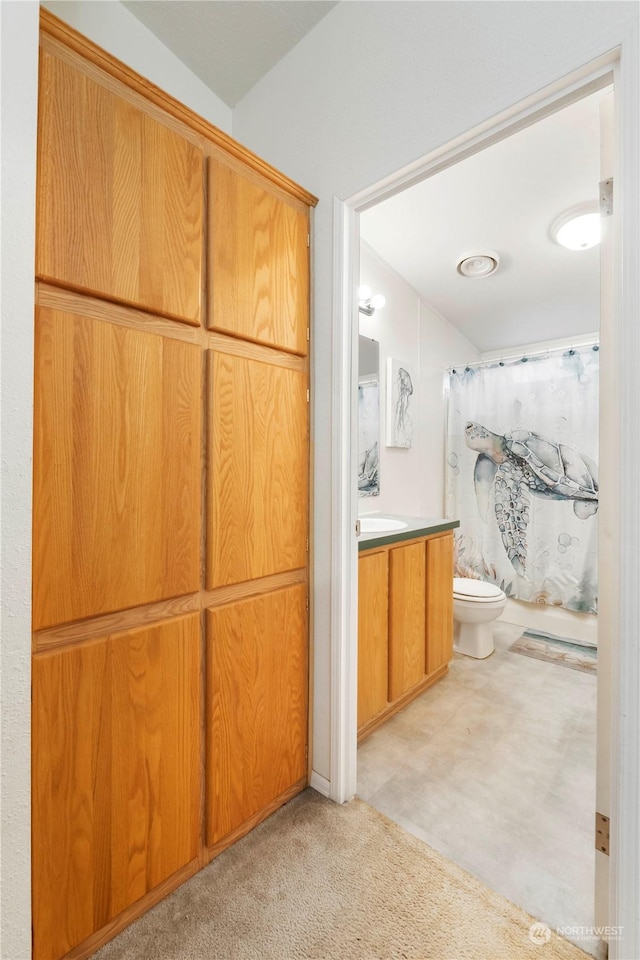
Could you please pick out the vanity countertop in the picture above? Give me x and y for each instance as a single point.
(416, 527)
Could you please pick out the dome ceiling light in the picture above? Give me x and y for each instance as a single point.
(578, 228)
(475, 266)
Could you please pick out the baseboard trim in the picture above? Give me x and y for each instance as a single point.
(320, 783)
(370, 725)
(135, 910)
(214, 849)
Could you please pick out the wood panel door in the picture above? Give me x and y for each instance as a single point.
(373, 635)
(407, 570)
(439, 624)
(259, 260)
(257, 681)
(119, 198)
(258, 484)
(117, 469)
(116, 776)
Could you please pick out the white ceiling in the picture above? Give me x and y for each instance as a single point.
(503, 199)
(229, 44)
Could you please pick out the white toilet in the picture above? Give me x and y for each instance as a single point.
(475, 605)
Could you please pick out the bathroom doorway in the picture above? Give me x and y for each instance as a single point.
(362, 203)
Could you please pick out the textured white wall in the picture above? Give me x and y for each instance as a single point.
(375, 86)
(117, 31)
(19, 24)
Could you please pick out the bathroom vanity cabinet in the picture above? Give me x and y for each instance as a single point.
(171, 495)
(405, 623)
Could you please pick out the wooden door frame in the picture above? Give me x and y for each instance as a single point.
(621, 64)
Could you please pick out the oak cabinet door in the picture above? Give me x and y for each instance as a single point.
(407, 570)
(258, 259)
(258, 470)
(257, 681)
(439, 630)
(373, 652)
(119, 209)
(116, 776)
(117, 471)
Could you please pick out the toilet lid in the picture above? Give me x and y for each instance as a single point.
(478, 589)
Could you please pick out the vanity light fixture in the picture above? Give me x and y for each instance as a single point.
(368, 304)
(578, 228)
(481, 263)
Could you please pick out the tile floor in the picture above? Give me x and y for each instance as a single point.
(494, 767)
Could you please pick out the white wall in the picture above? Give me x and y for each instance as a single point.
(375, 86)
(117, 31)
(407, 328)
(540, 346)
(19, 24)
(441, 347)
(397, 329)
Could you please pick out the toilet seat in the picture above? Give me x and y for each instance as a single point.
(476, 591)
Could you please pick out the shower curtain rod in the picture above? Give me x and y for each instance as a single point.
(528, 355)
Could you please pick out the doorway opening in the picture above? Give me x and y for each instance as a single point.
(503, 742)
(345, 761)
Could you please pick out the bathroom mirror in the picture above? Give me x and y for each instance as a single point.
(368, 418)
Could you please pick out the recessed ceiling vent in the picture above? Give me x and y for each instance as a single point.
(477, 265)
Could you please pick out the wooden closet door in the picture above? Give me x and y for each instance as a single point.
(406, 618)
(116, 776)
(257, 682)
(439, 629)
(259, 260)
(258, 467)
(117, 469)
(143, 595)
(119, 198)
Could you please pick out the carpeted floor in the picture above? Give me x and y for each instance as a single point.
(318, 881)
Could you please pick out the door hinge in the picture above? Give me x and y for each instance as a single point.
(308, 395)
(306, 604)
(602, 833)
(307, 544)
(308, 240)
(306, 751)
(357, 528)
(606, 197)
(308, 334)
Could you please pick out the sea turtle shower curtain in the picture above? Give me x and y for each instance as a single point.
(522, 475)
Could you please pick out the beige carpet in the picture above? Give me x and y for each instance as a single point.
(318, 880)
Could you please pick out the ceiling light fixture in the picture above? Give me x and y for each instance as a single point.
(481, 263)
(368, 304)
(578, 228)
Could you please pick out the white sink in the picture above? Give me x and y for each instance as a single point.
(381, 525)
